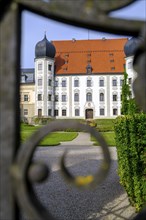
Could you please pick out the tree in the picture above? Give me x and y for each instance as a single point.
(129, 106)
(125, 95)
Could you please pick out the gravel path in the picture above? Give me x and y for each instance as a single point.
(107, 202)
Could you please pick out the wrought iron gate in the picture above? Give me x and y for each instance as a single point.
(17, 175)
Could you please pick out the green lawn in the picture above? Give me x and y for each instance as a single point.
(52, 139)
(109, 137)
(104, 125)
(57, 137)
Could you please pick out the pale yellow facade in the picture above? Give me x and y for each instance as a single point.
(27, 102)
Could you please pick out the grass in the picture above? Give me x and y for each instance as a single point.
(57, 137)
(52, 139)
(104, 125)
(109, 137)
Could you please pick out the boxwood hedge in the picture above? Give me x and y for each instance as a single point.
(130, 132)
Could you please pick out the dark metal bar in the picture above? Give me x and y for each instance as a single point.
(9, 108)
(98, 21)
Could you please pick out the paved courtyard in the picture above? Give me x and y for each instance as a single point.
(107, 202)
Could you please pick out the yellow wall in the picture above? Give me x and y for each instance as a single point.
(28, 90)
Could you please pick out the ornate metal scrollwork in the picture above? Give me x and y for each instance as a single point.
(24, 173)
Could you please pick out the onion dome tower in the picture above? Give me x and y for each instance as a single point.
(129, 50)
(44, 48)
(44, 78)
(131, 46)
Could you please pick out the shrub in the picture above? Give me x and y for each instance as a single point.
(130, 134)
(42, 120)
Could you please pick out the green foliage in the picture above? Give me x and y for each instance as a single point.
(130, 134)
(132, 107)
(125, 95)
(42, 120)
(129, 106)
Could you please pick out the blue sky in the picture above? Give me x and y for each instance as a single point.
(34, 27)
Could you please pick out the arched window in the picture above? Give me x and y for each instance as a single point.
(76, 97)
(89, 97)
(101, 97)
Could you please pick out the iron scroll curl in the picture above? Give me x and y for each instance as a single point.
(23, 177)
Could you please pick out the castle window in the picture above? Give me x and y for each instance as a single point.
(39, 97)
(88, 69)
(114, 97)
(63, 98)
(49, 82)
(88, 83)
(56, 112)
(39, 82)
(77, 112)
(76, 97)
(56, 83)
(101, 97)
(49, 97)
(25, 112)
(56, 98)
(114, 82)
(40, 66)
(49, 67)
(113, 68)
(89, 97)
(111, 54)
(130, 81)
(121, 82)
(115, 111)
(101, 111)
(23, 79)
(63, 112)
(76, 83)
(25, 98)
(49, 112)
(101, 82)
(63, 83)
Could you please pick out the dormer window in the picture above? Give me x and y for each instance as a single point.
(23, 78)
(89, 69)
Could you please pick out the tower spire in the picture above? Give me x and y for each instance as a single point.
(44, 34)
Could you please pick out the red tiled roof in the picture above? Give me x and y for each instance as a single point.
(105, 56)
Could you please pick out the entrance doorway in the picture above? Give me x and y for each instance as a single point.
(89, 113)
(39, 113)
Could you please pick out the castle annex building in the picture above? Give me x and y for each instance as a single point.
(74, 79)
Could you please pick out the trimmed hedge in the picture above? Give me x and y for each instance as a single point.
(130, 134)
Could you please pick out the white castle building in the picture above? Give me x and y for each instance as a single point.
(79, 79)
